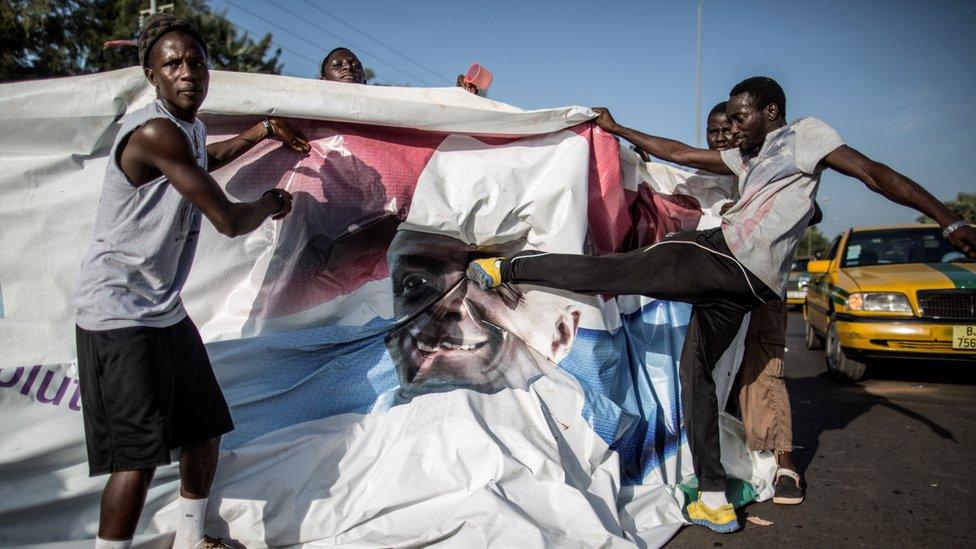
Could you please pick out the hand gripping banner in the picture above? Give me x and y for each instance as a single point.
(379, 398)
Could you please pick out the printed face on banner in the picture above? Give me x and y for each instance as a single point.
(455, 335)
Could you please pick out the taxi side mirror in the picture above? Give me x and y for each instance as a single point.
(820, 266)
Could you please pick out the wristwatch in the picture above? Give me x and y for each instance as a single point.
(953, 227)
(267, 127)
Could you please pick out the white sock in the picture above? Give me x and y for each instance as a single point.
(714, 499)
(112, 544)
(189, 532)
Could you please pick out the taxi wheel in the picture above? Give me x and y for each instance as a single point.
(812, 340)
(838, 363)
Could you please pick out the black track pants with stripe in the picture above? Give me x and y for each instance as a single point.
(695, 267)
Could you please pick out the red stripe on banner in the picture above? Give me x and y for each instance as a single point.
(621, 220)
(608, 218)
(350, 194)
(655, 215)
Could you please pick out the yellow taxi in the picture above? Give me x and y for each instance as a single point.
(796, 282)
(891, 292)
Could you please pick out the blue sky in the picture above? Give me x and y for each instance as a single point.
(895, 78)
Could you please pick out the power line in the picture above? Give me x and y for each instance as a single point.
(312, 43)
(376, 40)
(357, 48)
(273, 43)
(279, 27)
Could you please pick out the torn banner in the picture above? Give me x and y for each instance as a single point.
(379, 399)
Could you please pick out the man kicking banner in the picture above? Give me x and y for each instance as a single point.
(728, 271)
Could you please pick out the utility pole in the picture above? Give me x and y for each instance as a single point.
(153, 8)
(698, 71)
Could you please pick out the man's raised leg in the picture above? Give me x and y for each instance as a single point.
(694, 267)
(677, 269)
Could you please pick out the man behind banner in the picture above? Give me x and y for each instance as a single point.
(342, 65)
(727, 271)
(146, 381)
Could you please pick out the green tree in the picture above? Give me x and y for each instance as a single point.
(814, 243)
(43, 38)
(964, 204)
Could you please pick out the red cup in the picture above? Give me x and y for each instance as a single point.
(479, 76)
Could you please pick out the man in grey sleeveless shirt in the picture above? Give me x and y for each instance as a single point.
(147, 385)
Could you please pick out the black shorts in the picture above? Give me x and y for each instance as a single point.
(145, 391)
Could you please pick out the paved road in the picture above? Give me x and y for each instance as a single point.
(889, 461)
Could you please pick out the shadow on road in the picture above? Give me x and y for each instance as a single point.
(823, 403)
(924, 371)
(846, 402)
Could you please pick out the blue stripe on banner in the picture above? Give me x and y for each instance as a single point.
(636, 369)
(656, 337)
(629, 377)
(274, 381)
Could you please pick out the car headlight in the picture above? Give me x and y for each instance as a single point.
(879, 302)
(802, 283)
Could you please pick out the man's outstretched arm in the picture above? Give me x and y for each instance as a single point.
(665, 149)
(898, 188)
(160, 145)
(224, 152)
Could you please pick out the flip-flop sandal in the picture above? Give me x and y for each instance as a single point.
(788, 488)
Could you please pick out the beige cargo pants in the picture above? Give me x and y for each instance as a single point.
(763, 400)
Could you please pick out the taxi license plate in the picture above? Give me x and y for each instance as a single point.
(796, 294)
(964, 338)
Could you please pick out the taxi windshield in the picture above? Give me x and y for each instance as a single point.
(891, 246)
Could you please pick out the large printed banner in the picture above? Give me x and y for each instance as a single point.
(379, 398)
